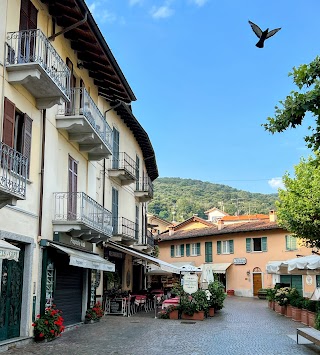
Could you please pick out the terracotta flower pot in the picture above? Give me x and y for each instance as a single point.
(273, 303)
(277, 307)
(174, 314)
(283, 310)
(230, 292)
(289, 311)
(211, 312)
(296, 314)
(311, 318)
(196, 316)
(304, 316)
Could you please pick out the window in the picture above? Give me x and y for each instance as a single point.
(291, 242)
(177, 250)
(193, 249)
(225, 247)
(256, 244)
(17, 130)
(208, 252)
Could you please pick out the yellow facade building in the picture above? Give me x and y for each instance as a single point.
(76, 166)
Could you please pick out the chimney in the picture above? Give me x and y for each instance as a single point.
(171, 231)
(272, 216)
(220, 224)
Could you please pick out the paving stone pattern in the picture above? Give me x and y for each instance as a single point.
(245, 326)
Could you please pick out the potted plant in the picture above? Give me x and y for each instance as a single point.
(194, 307)
(293, 294)
(312, 309)
(49, 325)
(296, 304)
(304, 311)
(270, 297)
(217, 296)
(281, 299)
(173, 312)
(262, 293)
(94, 314)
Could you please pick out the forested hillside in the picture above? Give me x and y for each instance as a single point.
(179, 199)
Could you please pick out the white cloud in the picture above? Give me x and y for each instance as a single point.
(199, 2)
(276, 183)
(161, 12)
(92, 7)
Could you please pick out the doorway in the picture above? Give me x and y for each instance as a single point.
(257, 282)
(11, 296)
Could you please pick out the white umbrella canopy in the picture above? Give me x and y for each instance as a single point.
(190, 268)
(310, 262)
(207, 274)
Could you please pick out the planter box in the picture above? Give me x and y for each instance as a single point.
(211, 312)
(262, 295)
(283, 310)
(304, 316)
(196, 316)
(230, 292)
(296, 314)
(311, 319)
(174, 314)
(277, 307)
(289, 311)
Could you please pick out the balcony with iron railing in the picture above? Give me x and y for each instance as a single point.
(32, 61)
(122, 168)
(144, 189)
(124, 230)
(81, 216)
(13, 175)
(145, 242)
(85, 125)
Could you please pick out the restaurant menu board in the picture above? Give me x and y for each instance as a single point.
(116, 306)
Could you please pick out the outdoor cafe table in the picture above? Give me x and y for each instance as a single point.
(140, 299)
(170, 302)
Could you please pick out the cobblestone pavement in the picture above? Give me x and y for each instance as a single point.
(245, 326)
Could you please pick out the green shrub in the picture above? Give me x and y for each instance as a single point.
(218, 295)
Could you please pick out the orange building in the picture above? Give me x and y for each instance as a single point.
(236, 252)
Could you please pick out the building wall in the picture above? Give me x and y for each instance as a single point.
(240, 277)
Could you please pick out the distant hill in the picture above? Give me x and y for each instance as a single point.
(186, 197)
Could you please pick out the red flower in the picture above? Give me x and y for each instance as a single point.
(38, 316)
(41, 335)
(33, 324)
(52, 331)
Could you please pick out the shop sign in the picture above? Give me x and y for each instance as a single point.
(72, 241)
(190, 283)
(239, 261)
(113, 254)
(9, 254)
(116, 306)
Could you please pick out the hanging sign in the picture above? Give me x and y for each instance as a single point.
(239, 261)
(190, 283)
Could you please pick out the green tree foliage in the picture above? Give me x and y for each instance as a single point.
(187, 197)
(298, 208)
(298, 103)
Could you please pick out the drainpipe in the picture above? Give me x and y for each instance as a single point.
(43, 141)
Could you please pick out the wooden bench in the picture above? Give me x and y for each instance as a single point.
(309, 333)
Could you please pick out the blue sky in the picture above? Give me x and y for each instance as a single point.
(203, 89)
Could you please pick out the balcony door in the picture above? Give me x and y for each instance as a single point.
(137, 172)
(28, 21)
(115, 210)
(72, 193)
(115, 152)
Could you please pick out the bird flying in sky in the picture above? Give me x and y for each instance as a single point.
(262, 35)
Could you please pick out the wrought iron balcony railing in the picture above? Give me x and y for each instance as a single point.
(13, 171)
(124, 161)
(123, 226)
(32, 46)
(79, 207)
(81, 104)
(149, 239)
(145, 185)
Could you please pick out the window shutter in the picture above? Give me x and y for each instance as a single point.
(218, 247)
(27, 132)
(287, 243)
(231, 246)
(182, 249)
(172, 251)
(8, 122)
(208, 252)
(187, 249)
(248, 245)
(264, 244)
(198, 248)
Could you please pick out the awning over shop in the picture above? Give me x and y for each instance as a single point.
(306, 265)
(162, 264)
(216, 268)
(85, 260)
(153, 269)
(8, 251)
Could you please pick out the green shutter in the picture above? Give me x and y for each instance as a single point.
(187, 249)
(182, 249)
(264, 244)
(198, 248)
(172, 251)
(248, 245)
(218, 247)
(208, 252)
(287, 243)
(231, 246)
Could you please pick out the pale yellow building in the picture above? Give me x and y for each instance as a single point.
(76, 166)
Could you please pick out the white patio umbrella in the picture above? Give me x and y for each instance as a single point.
(310, 262)
(207, 274)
